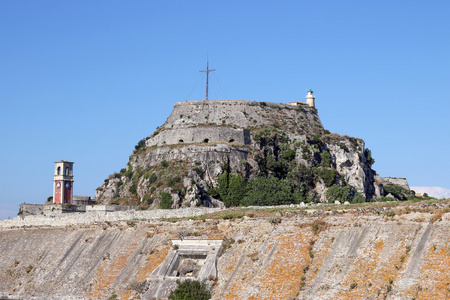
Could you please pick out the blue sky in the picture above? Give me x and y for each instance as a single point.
(86, 80)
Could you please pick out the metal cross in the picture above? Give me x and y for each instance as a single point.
(207, 75)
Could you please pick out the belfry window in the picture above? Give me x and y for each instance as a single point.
(67, 171)
(58, 171)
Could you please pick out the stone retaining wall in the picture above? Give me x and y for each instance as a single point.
(203, 134)
(56, 218)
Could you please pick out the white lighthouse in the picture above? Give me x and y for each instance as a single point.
(310, 98)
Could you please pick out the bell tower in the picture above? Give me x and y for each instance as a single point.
(63, 182)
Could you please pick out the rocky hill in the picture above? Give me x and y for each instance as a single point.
(362, 251)
(232, 153)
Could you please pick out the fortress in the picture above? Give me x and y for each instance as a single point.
(305, 249)
(229, 121)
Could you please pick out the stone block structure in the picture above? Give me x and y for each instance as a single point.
(190, 258)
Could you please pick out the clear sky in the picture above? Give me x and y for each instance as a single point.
(84, 81)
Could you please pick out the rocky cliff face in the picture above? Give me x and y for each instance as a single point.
(338, 252)
(202, 140)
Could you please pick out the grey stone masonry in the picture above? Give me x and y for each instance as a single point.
(53, 215)
(228, 121)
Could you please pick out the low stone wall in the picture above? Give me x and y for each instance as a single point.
(109, 208)
(396, 180)
(56, 218)
(27, 209)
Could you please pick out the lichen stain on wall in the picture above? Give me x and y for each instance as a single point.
(437, 276)
(154, 259)
(109, 271)
(266, 268)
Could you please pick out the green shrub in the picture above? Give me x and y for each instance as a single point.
(231, 188)
(397, 191)
(166, 201)
(268, 191)
(339, 193)
(199, 171)
(328, 175)
(148, 200)
(133, 188)
(173, 180)
(129, 172)
(164, 164)
(385, 199)
(289, 155)
(325, 158)
(358, 198)
(190, 290)
(153, 178)
(368, 154)
(140, 146)
(343, 146)
(354, 143)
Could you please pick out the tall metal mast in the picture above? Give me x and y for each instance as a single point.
(207, 75)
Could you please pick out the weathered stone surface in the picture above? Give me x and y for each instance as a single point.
(344, 254)
(397, 181)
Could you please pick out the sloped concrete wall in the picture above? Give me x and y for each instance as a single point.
(308, 255)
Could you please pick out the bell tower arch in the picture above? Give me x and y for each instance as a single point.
(63, 182)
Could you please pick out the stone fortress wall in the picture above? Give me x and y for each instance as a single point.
(206, 134)
(223, 121)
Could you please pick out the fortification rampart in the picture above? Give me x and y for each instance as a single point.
(241, 114)
(201, 134)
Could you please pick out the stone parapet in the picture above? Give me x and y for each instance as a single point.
(57, 218)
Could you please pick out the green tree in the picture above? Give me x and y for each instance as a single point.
(368, 154)
(358, 198)
(325, 159)
(140, 146)
(339, 193)
(231, 188)
(190, 290)
(268, 191)
(166, 201)
(328, 175)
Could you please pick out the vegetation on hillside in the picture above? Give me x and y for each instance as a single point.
(287, 173)
(190, 290)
